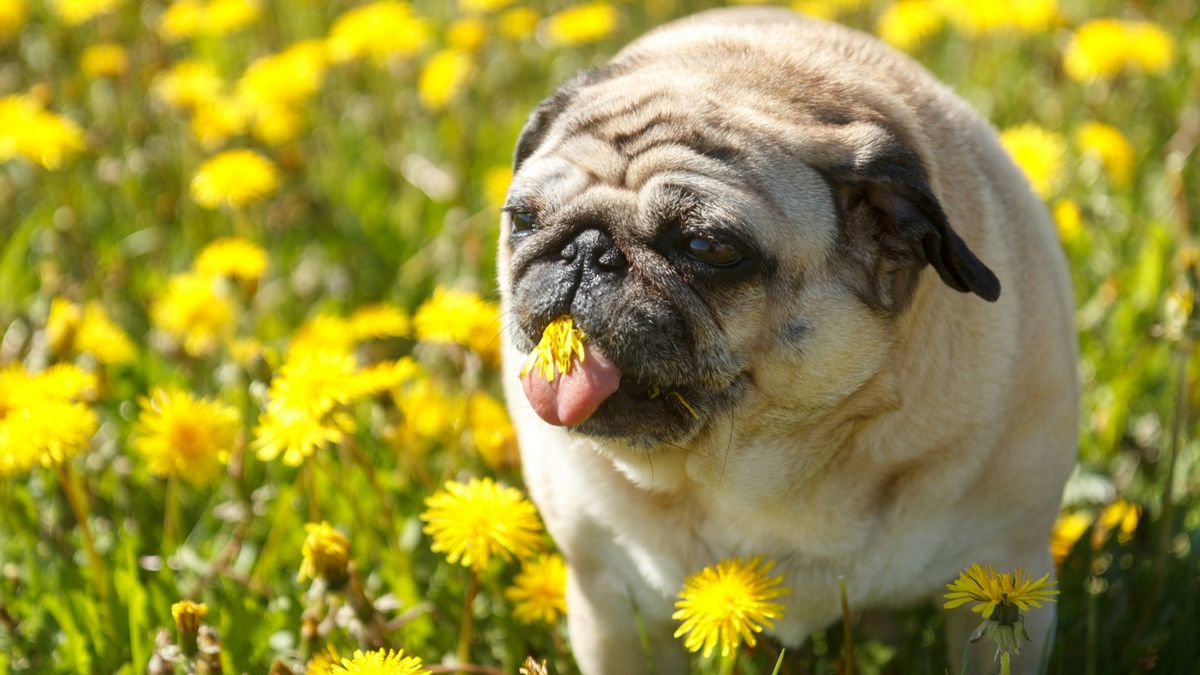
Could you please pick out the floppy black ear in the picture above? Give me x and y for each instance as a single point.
(886, 203)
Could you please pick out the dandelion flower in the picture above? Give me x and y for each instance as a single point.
(468, 34)
(1120, 515)
(1068, 218)
(517, 23)
(491, 430)
(104, 60)
(12, 17)
(475, 521)
(989, 590)
(375, 322)
(43, 422)
(728, 604)
(380, 662)
(75, 12)
(459, 317)
(195, 312)
(188, 615)
(181, 20)
(226, 16)
(1068, 528)
(384, 377)
(304, 409)
(189, 85)
(326, 554)
(29, 131)
(480, 6)
(1110, 146)
(582, 24)
(978, 18)
(232, 257)
(539, 592)
(560, 345)
(185, 437)
(234, 178)
(1102, 48)
(495, 184)
(1038, 152)
(290, 77)
(61, 325)
(103, 339)
(215, 122)
(444, 77)
(323, 332)
(907, 24)
(429, 411)
(379, 30)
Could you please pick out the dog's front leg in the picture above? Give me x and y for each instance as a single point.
(602, 617)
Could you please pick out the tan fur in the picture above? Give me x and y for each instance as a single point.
(894, 450)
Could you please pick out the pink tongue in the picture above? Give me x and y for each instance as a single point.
(572, 398)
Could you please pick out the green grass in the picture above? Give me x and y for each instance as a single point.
(355, 221)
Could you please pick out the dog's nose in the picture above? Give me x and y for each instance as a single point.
(594, 248)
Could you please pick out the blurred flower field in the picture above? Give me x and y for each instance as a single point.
(249, 400)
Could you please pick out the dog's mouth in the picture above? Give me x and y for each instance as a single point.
(596, 397)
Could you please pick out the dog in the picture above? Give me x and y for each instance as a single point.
(785, 244)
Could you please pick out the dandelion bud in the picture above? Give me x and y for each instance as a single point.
(326, 555)
(188, 615)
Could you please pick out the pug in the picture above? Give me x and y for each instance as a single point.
(826, 322)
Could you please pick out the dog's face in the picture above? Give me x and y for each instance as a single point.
(723, 258)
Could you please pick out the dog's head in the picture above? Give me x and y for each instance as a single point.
(721, 239)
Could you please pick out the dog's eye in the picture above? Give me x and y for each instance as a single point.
(523, 221)
(711, 252)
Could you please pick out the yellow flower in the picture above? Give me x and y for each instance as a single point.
(826, 9)
(989, 590)
(492, 431)
(443, 77)
(189, 85)
(495, 185)
(290, 77)
(277, 124)
(103, 339)
(75, 12)
(234, 178)
(472, 522)
(181, 19)
(12, 17)
(582, 24)
(375, 322)
(1102, 48)
(61, 325)
(727, 604)
(909, 23)
(42, 420)
(227, 16)
(232, 257)
(1038, 152)
(326, 554)
(28, 131)
(1068, 528)
(195, 312)
(189, 18)
(384, 377)
(1068, 218)
(188, 616)
(459, 317)
(218, 120)
(560, 345)
(1121, 515)
(517, 23)
(304, 405)
(380, 663)
(467, 34)
(185, 437)
(104, 60)
(429, 412)
(473, 6)
(976, 18)
(379, 30)
(539, 592)
(1110, 146)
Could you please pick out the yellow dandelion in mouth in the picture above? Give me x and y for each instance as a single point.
(539, 593)
(727, 604)
(472, 522)
(326, 554)
(561, 344)
(989, 589)
(380, 663)
(234, 178)
(185, 437)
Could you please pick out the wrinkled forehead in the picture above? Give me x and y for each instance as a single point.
(641, 138)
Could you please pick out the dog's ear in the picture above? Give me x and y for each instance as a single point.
(893, 225)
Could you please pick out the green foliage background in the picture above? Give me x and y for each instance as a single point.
(355, 222)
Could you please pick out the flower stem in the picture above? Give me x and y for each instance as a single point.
(170, 515)
(1005, 664)
(847, 629)
(79, 507)
(729, 663)
(468, 620)
(310, 486)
